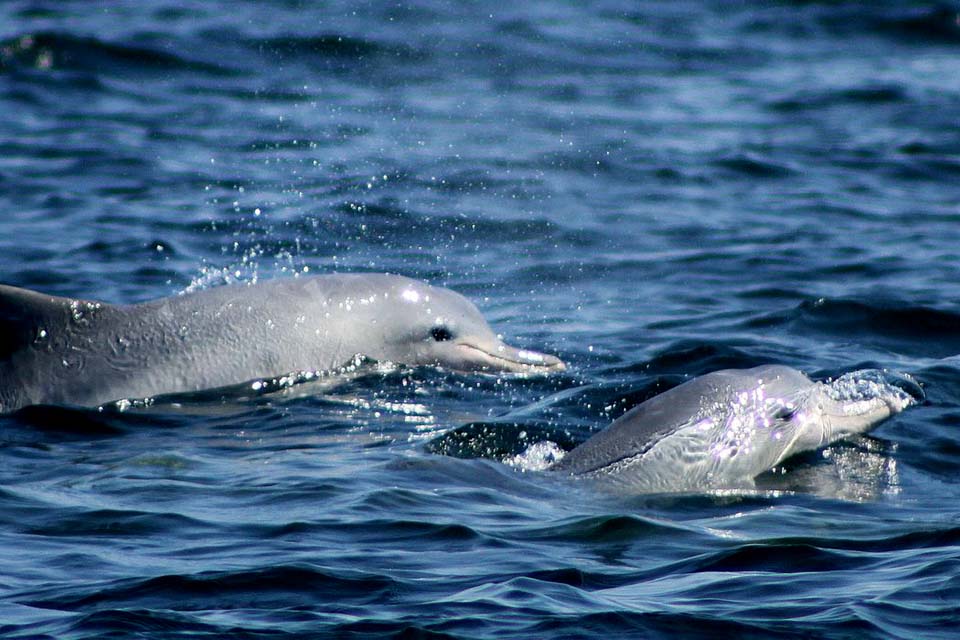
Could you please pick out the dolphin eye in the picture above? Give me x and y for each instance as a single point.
(785, 413)
(441, 334)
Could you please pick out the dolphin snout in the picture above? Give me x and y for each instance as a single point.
(539, 360)
(503, 357)
(525, 360)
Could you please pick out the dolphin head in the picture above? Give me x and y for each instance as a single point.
(723, 429)
(788, 413)
(419, 324)
(851, 404)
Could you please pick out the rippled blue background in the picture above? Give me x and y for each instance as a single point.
(651, 190)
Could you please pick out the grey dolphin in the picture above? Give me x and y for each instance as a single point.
(723, 429)
(63, 351)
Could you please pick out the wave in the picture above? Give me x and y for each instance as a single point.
(938, 24)
(332, 46)
(861, 96)
(695, 357)
(605, 529)
(927, 24)
(911, 330)
(754, 167)
(109, 522)
(65, 422)
(275, 587)
(795, 557)
(380, 531)
(52, 50)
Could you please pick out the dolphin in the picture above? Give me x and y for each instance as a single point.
(721, 430)
(78, 352)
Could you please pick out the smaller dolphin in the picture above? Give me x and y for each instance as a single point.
(721, 430)
(64, 351)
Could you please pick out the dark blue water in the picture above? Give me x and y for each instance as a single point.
(650, 190)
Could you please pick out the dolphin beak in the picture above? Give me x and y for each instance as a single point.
(856, 409)
(503, 357)
(859, 416)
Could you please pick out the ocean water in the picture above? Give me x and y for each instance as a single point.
(650, 190)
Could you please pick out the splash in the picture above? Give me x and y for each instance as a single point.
(897, 390)
(539, 456)
(247, 268)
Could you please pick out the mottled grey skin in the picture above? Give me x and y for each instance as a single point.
(62, 351)
(721, 430)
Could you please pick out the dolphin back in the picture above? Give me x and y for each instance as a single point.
(641, 428)
(26, 317)
(676, 440)
(27, 320)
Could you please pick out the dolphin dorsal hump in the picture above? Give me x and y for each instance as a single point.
(27, 316)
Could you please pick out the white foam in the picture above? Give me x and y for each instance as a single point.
(867, 385)
(539, 456)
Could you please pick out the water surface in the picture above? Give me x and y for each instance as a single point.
(650, 190)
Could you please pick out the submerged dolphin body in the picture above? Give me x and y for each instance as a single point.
(63, 351)
(721, 430)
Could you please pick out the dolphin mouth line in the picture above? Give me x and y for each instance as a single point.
(548, 362)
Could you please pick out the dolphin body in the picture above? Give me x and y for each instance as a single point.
(76, 352)
(723, 429)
